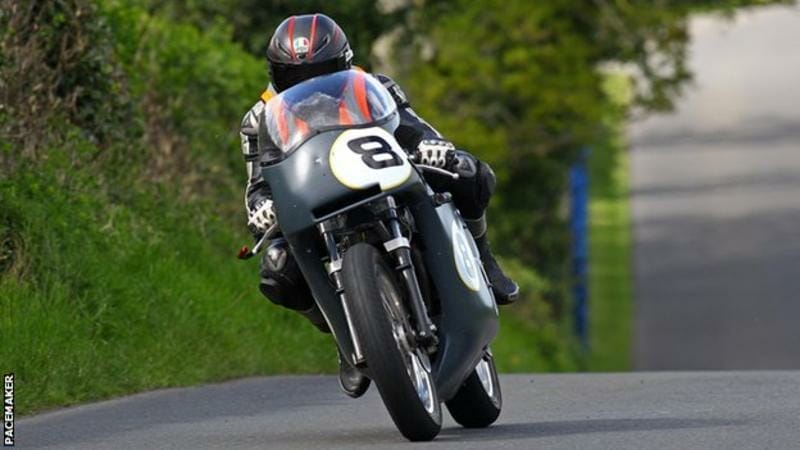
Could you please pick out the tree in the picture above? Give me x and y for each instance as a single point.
(254, 20)
(521, 84)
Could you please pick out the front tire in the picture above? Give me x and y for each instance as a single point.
(478, 402)
(400, 370)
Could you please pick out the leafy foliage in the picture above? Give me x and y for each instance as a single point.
(120, 205)
(522, 86)
(253, 21)
(120, 180)
(58, 66)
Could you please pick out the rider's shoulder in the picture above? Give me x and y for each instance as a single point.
(393, 88)
(268, 93)
(386, 80)
(251, 118)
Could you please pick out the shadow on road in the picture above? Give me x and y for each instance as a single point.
(570, 427)
(503, 432)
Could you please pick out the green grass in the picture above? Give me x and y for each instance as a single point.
(610, 290)
(109, 286)
(531, 339)
(106, 292)
(111, 296)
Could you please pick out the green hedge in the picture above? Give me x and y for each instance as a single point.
(120, 217)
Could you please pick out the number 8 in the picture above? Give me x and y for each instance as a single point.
(370, 148)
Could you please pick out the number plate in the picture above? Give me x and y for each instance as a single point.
(360, 158)
(467, 261)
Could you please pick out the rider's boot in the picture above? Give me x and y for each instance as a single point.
(283, 284)
(504, 288)
(353, 382)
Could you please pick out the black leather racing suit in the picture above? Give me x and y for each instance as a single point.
(281, 280)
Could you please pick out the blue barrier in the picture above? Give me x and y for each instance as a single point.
(579, 228)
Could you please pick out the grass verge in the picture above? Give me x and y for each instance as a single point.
(610, 289)
(104, 294)
(531, 338)
(103, 297)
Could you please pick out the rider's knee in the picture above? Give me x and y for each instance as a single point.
(281, 280)
(474, 188)
(486, 183)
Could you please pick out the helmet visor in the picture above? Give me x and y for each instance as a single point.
(285, 76)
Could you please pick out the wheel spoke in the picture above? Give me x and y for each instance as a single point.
(484, 372)
(423, 383)
(400, 370)
(418, 369)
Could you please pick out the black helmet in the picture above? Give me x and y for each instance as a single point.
(304, 47)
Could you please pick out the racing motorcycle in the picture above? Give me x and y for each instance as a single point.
(390, 263)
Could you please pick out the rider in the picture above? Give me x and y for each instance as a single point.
(307, 46)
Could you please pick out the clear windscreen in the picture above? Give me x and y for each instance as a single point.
(338, 100)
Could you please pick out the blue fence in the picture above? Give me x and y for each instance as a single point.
(579, 228)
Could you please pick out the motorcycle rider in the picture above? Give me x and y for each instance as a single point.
(307, 46)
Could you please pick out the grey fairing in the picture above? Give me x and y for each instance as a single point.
(303, 183)
(468, 320)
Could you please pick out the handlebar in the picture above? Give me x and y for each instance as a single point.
(434, 169)
(438, 170)
(246, 253)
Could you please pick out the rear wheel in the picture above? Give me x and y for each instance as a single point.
(400, 370)
(478, 402)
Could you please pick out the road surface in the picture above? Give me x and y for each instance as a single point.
(737, 410)
(716, 204)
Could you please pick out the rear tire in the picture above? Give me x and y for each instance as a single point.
(478, 402)
(399, 369)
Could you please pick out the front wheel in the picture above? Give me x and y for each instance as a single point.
(399, 368)
(478, 402)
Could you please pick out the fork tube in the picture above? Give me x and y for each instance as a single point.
(335, 272)
(400, 248)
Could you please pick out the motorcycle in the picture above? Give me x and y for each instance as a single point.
(390, 263)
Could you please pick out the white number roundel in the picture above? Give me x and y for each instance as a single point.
(466, 261)
(360, 158)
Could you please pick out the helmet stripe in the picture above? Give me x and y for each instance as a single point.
(312, 37)
(360, 90)
(301, 125)
(291, 37)
(280, 119)
(344, 116)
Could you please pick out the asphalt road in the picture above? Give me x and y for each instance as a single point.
(747, 410)
(716, 204)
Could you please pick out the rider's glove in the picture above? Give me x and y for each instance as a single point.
(263, 216)
(436, 152)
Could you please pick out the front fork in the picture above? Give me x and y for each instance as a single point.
(334, 268)
(400, 248)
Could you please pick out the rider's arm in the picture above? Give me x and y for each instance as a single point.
(256, 190)
(258, 202)
(418, 136)
(413, 129)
